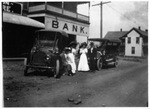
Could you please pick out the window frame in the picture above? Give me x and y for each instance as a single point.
(132, 50)
(129, 40)
(137, 40)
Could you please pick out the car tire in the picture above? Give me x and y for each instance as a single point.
(99, 64)
(57, 69)
(116, 64)
(26, 71)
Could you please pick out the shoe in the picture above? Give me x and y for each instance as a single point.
(78, 101)
(70, 99)
(73, 74)
(69, 74)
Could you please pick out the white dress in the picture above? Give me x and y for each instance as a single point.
(71, 61)
(83, 62)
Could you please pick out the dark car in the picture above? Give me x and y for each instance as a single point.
(107, 52)
(45, 53)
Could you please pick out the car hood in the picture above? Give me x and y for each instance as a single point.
(46, 50)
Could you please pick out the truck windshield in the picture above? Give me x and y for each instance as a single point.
(46, 38)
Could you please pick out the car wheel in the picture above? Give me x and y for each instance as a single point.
(99, 64)
(116, 64)
(26, 71)
(57, 69)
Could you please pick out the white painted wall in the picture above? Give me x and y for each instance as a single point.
(69, 26)
(81, 39)
(138, 47)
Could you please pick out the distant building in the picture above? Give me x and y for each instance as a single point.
(136, 42)
(133, 42)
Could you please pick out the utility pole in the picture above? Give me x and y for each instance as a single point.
(101, 16)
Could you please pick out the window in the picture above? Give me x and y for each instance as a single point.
(70, 6)
(133, 50)
(56, 4)
(129, 40)
(36, 3)
(137, 40)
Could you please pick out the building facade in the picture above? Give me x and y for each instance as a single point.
(60, 16)
(136, 43)
(22, 19)
(133, 42)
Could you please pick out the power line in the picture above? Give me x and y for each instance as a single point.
(125, 16)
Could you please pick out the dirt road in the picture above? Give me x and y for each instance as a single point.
(125, 86)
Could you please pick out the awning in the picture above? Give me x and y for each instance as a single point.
(21, 20)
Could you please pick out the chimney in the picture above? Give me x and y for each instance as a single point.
(139, 28)
(121, 30)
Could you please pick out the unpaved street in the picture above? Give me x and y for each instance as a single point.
(125, 86)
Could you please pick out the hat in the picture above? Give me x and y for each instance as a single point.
(91, 43)
(83, 44)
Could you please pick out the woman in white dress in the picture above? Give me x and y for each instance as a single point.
(71, 61)
(83, 62)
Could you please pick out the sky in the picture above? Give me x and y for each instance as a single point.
(116, 15)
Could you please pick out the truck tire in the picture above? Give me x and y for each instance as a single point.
(99, 64)
(116, 63)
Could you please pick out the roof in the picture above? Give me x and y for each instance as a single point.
(103, 39)
(21, 20)
(115, 35)
(141, 32)
(97, 39)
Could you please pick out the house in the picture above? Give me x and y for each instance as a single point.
(136, 42)
(133, 42)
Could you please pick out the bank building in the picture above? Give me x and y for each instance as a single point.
(20, 20)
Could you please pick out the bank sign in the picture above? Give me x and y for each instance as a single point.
(69, 27)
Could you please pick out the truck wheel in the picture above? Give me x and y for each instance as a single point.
(26, 71)
(57, 69)
(99, 64)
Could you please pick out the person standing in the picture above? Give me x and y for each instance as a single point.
(66, 67)
(83, 62)
(92, 52)
(71, 61)
(73, 45)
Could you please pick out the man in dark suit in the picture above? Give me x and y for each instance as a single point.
(92, 52)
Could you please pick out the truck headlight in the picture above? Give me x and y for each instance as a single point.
(47, 57)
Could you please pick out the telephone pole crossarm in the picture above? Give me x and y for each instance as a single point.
(101, 3)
